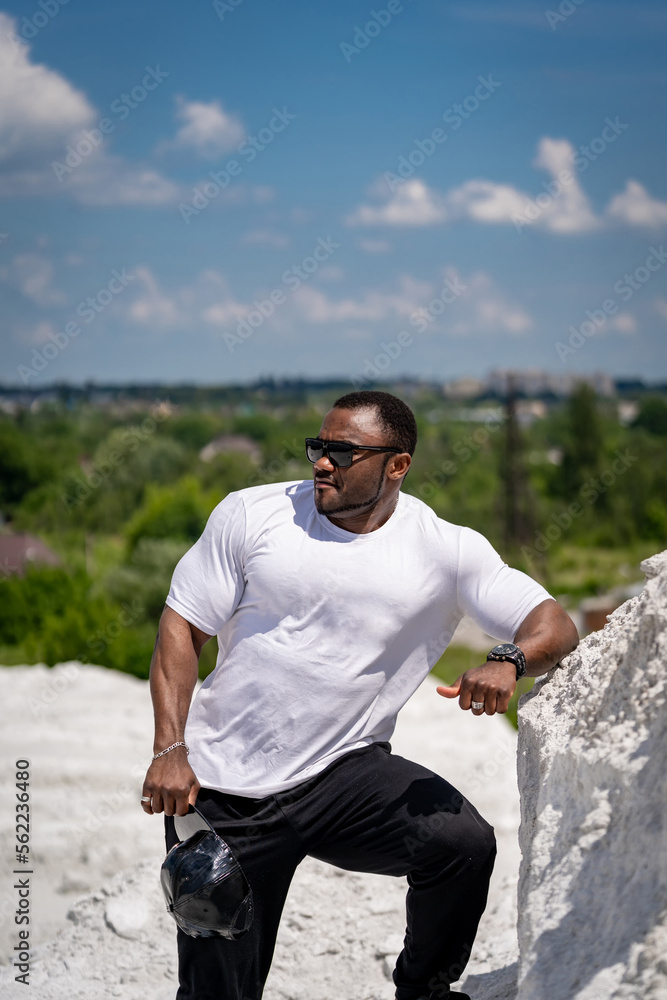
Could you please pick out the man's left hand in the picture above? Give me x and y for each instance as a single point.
(490, 686)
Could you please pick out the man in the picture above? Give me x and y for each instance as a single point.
(331, 603)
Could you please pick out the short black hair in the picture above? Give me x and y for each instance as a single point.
(395, 416)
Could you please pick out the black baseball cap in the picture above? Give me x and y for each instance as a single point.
(204, 885)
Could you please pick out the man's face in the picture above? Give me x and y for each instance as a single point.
(358, 488)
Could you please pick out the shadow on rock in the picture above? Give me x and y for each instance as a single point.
(501, 984)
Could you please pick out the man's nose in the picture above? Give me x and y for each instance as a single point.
(324, 464)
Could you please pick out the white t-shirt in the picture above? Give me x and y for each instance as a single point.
(324, 634)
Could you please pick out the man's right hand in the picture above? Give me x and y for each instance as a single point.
(171, 785)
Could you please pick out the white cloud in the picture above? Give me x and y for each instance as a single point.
(262, 194)
(32, 274)
(38, 107)
(560, 206)
(484, 309)
(635, 207)
(152, 306)
(330, 273)
(661, 306)
(207, 300)
(570, 210)
(484, 201)
(480, 309)
(371, 307)
(112, 181)
(224, 312)
(411, 204)
(41, 114)
(208, 129)
(316, 307)
(624, 323)
(375, 246)
(38, 334)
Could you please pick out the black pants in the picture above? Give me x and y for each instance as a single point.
(369, 811)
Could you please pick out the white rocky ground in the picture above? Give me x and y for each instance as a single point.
(593, 777)
(98, 925)
(593, 890)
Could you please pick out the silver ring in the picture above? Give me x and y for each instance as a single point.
(146, 798)
(477, 705)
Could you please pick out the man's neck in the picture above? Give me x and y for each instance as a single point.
(363, 522)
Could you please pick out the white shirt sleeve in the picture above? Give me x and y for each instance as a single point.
(495, 596)
(208, 582)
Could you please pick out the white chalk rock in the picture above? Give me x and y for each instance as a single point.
(593, 782)
(126, 915)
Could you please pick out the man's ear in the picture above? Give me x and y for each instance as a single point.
(398, 465)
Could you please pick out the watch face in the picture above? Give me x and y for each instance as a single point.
(504, 649)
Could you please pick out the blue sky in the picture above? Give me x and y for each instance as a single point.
(225, 190)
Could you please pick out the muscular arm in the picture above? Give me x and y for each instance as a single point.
(545, 635)
(170, 781)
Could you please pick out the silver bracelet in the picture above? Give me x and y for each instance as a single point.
(172, 747)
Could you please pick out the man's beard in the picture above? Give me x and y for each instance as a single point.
(352, 506)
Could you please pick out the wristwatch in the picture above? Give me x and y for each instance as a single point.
(508, 651)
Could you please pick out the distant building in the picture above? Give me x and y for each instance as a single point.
(463, 388)
(535, 383)
(226, 443)
(627, 411)
(17, 552)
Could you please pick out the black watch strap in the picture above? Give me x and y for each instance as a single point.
(508, 651)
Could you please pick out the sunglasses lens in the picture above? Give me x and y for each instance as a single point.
(314, 450)
(340, 455)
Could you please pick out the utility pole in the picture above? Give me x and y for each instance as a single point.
(517, 518)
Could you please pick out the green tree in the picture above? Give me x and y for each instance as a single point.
(19, 472)
(652, 416)
(143, 580)
(583, 444)
(179, 511)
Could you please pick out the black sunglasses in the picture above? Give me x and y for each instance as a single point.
(339, 453)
